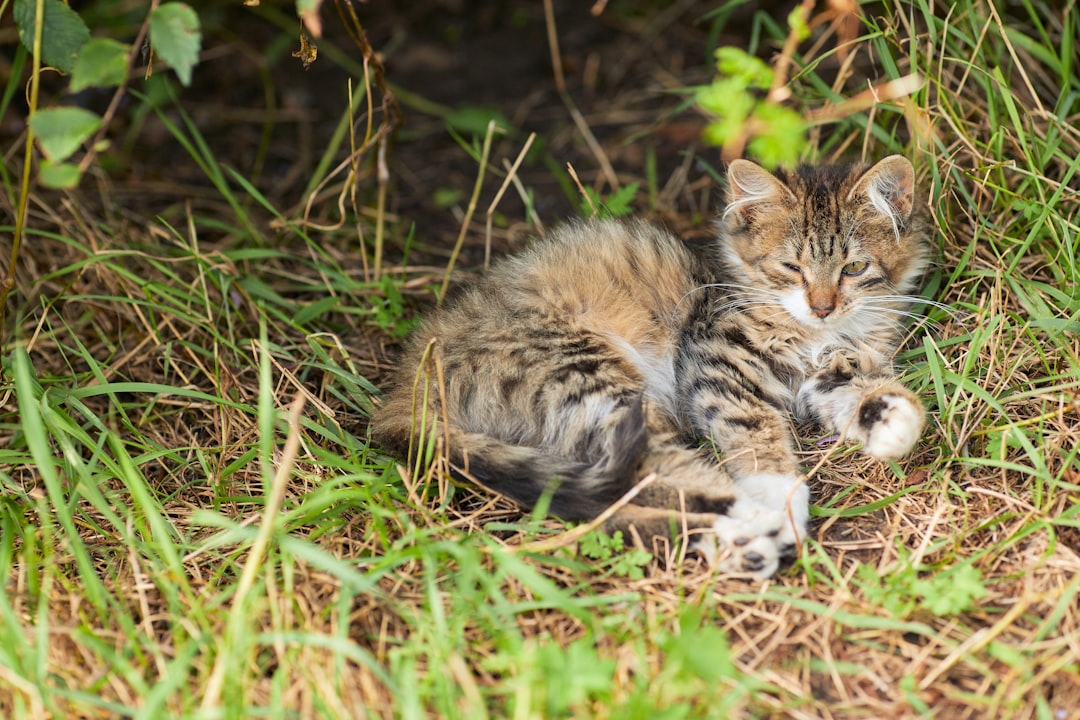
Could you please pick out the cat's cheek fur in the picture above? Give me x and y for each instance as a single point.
(892, 423)
(794, 302)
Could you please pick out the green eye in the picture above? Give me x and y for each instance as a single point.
(855, 267)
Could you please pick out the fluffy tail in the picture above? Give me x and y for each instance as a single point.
(578, 490)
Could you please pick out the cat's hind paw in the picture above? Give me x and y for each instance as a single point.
(892, 424)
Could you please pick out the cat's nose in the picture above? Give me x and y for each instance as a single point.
(823, 311)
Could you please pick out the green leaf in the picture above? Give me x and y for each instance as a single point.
(620, 202)
(474, 119)
(446, 197)
(617, 204)
(176, 38)
(718, 97)
(741, 65)
(63, 176)
(953, 591)
(783, 136)
(63, 31)
(100, 63)
(60, 131)
(598, 545)
(730, 107)
(797, 21)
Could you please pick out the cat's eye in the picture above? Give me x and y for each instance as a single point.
(793, 268)
(855, 267)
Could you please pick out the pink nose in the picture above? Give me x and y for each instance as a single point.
(823, 311)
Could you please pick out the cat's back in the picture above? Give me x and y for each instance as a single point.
(624, 277)
(588, 290)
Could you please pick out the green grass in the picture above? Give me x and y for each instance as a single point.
(192, 523)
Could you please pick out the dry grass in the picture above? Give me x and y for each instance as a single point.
(180, 544)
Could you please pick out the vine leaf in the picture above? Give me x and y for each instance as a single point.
(63, 34)
(101, 63)
(63, 176)
(176, 37)
(60, 131)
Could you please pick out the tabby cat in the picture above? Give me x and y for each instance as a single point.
(608, 352)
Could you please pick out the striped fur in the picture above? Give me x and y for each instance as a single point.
(608, 351)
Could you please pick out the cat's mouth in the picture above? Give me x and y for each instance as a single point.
(821, 314)
(829, 322)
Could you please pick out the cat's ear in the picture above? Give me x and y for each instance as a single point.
(890, 187)
(752, 187)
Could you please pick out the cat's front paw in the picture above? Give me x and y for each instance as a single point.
(891, 424)
(787, 495)
(741, 546)
(750, 540)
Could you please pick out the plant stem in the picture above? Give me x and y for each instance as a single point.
(7, 284)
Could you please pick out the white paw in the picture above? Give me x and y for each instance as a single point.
(892, 423)
(750, 540)
(787, 495)
(773, 489)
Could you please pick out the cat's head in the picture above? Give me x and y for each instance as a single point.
(827, 244)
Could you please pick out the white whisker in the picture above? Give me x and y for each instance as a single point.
(892, 314)
(741, 294)
(745, 288)
(947, 309)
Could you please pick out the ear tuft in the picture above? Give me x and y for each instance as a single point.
(751, 186)
(890, 187)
